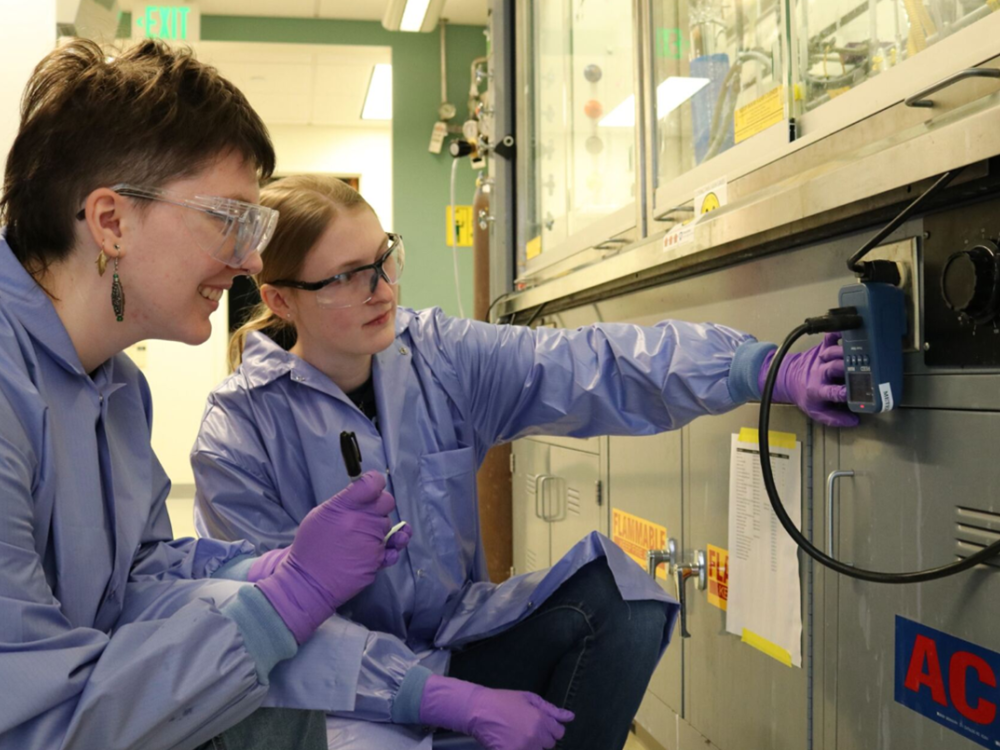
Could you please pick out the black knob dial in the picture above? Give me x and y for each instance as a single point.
(970, 282)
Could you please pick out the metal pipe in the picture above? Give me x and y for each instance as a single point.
(444, 61)
(474, 85)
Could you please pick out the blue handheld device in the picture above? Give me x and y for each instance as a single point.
(873, 354)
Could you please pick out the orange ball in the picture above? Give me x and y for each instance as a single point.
(593, 109)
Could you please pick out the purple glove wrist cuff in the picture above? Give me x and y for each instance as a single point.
(781, 395)
(266, 564)
(446, 703)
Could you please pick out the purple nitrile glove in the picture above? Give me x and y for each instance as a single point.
(814, 381)
(497, 719)
(267, 563)
(337, 550)
(397, 543)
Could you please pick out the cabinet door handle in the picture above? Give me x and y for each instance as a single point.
(539, 493)
(920, 99)
(698, 569)
(831, 482)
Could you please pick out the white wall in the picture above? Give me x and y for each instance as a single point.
(344, 151)
(27, 34)
(180, 379)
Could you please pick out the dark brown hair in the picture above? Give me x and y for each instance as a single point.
(307, 204)
(151, 115)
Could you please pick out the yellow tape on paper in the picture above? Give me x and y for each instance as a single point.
(636, 536)
(759, 115)
(771, 649)
(778, 439)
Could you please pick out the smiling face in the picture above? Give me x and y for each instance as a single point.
(177, 283)
(354, 238)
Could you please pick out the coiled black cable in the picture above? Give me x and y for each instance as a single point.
(815, 326)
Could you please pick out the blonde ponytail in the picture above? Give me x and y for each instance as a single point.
(262, 318)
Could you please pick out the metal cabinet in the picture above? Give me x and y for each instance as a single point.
(532, 547)
(738, 696)
(557, 500)
(645, 481)
(712, 690)
(925, 489)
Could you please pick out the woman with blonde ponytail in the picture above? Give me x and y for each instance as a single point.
(557, 656)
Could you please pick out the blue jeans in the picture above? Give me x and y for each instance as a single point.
(585, 649)
(274, 729)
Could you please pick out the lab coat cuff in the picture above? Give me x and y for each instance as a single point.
(745, 369)
(237, 569)
(406, 705)
(265, 635)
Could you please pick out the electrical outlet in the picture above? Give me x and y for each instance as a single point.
(906, 255)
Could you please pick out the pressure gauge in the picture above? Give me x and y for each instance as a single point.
(446, 111)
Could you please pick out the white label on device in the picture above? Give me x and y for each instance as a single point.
(437, 137)
(886, 390)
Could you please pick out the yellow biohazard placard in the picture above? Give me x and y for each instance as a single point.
(637, 536)
(463, 225)
(759, 115)
(718, 576)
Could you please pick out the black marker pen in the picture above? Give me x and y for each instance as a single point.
(351, 451)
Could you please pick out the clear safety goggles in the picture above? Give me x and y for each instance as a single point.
(357, 286)
(227, 229)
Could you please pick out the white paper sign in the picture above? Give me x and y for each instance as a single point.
(765, 607)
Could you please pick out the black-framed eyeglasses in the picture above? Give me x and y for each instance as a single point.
(357, 286)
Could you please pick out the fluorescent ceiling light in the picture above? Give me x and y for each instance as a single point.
(378, 101)
(670, 94)
(413, 15)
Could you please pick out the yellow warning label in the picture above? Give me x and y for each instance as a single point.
(718, 577)
(534, 248)
(710, 203)
(463, 225)
(759, 114)
(636, 536)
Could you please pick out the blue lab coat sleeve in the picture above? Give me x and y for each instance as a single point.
(609, 378)
(245, 505)
(160, 683)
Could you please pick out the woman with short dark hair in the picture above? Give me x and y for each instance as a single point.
(130, 205)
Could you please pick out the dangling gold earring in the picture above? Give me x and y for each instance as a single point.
(102, 262)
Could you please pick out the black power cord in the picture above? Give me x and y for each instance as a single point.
(883, 270)
(838, 320)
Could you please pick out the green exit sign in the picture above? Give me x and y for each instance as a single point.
(670, 44)
(172, 22)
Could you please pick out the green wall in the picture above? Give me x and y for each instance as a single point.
(420, 178)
